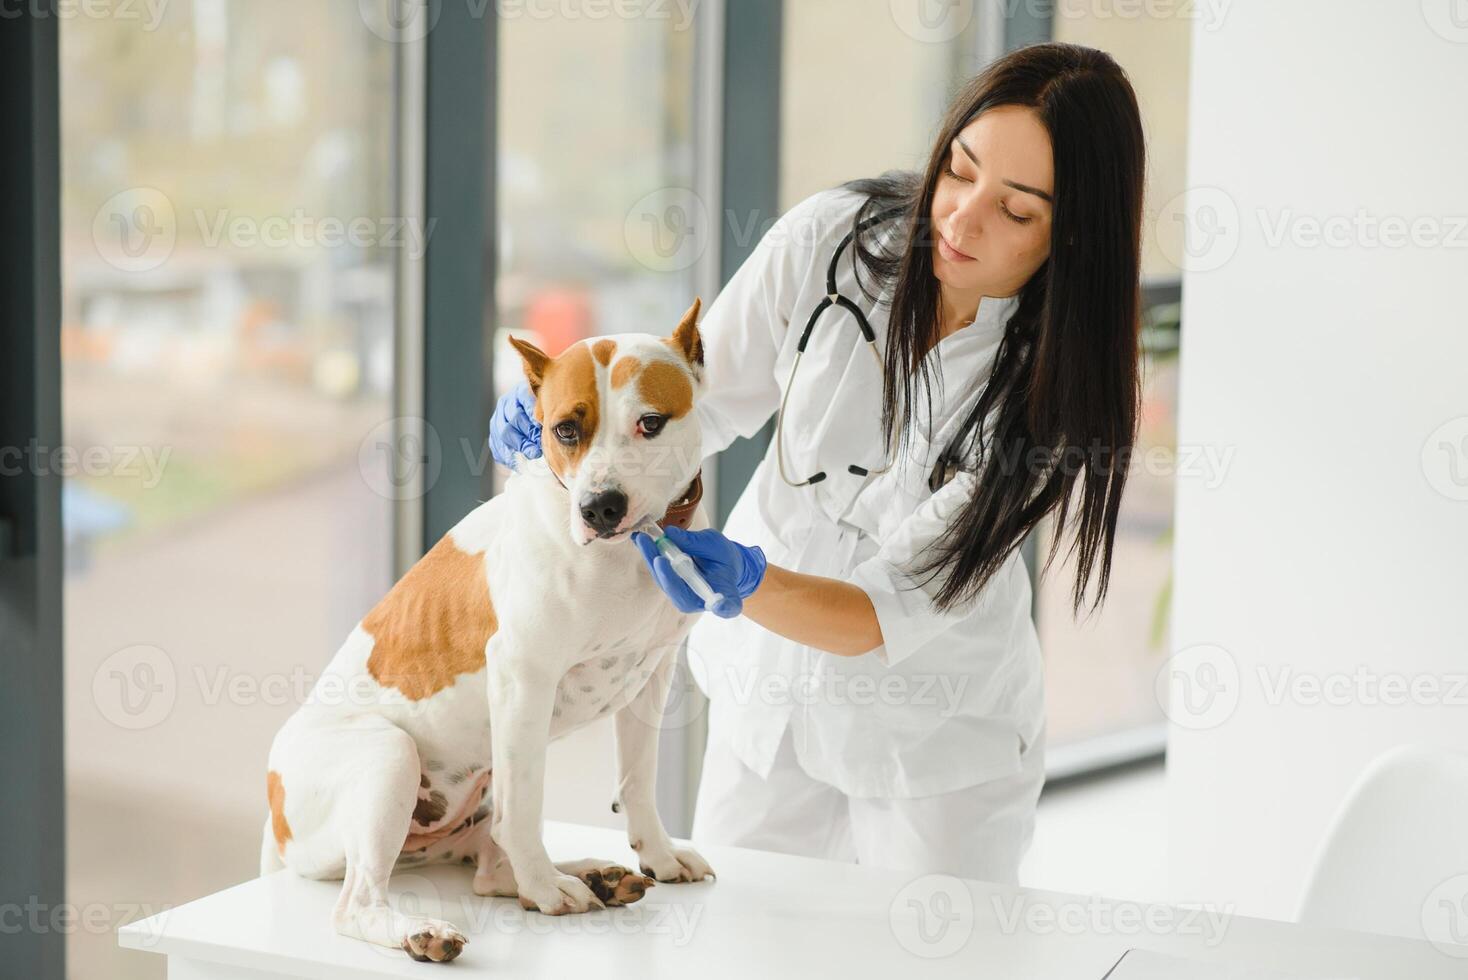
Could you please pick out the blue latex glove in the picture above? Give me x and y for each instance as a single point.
(513, 428)
(733, 570)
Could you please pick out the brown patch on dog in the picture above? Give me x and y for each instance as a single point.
(686, 340)
(625, 370)
(433, 821)
(666, 387)
(433, 624)
(568, 393)
(275, 793)
(430, 809)
(604, 351)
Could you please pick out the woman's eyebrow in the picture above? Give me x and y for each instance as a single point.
(1015, 184)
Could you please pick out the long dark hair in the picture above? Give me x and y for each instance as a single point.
(1065, 385)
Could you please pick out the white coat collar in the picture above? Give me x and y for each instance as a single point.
(984, 330)
(965, 356)
(993, 316)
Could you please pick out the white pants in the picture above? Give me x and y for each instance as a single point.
(980, 831)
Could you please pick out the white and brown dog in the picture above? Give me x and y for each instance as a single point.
(424, 740)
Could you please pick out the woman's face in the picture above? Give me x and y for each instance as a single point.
(992, 205)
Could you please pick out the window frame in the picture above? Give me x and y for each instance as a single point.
(32, 782)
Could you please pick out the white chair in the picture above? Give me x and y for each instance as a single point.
(1401, 832)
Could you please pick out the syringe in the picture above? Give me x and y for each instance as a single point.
(687, 569)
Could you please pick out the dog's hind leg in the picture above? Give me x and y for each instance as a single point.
(354, 782)
(377, 811)
(270, 860)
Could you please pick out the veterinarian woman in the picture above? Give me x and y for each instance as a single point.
(881, 697)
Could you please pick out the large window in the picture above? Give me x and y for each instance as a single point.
(233, 255)
(227, 331)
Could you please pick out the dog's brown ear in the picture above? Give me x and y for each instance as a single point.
(535, 361)
(686, 340)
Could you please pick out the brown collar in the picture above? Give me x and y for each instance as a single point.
(680, 512)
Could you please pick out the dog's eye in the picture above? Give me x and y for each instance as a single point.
(652, 424)
(566, 432)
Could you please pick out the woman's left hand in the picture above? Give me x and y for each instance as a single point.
(732, 570)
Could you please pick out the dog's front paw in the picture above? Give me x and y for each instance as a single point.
(674, 864)
(559, 894)
(433, 941)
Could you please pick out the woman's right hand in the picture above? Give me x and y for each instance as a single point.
(513, 429)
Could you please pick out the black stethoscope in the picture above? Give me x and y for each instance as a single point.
(948, 463)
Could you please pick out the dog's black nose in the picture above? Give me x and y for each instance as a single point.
(605, 510)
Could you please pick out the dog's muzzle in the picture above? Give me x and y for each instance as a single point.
(604, 510)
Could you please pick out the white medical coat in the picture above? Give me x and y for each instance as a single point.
(950, 699)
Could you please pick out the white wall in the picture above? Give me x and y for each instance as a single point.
(1334, 540)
